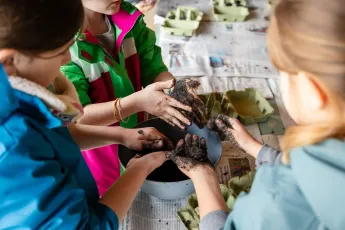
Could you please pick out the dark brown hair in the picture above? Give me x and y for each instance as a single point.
(39, 25)
(309, 36)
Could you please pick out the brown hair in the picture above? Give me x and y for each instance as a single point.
(309, 36)
(39, 25)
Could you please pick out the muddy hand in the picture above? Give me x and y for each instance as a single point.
(155, 140)
(238, 135)
(145, 138)
(184, 92)
(189, 153)
(221, 124)
(154, 101)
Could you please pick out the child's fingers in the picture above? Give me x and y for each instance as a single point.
(173, 112)
(156, 144)
(180, 143)
(159, 86)
(203, 143)
(195, 141)
(168, 121)
(175, 103)
(188, 139)
(175, 121)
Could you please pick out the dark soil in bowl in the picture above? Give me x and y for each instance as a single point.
(168, 172)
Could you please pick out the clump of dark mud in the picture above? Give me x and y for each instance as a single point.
(184, 93)
(190, 152)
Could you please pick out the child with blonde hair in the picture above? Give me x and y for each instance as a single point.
(302, 187)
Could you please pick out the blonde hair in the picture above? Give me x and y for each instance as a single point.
(309, 36)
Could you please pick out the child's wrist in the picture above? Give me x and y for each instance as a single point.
(201, 172)
(122, 135)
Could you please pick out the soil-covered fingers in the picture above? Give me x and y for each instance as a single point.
(175, 113)
(175, 103)
(175, 121)
(195, 141)
(199, 117)
(223, 127)
(226, 119)
(203, 144)
(192, 83)
(188, 139)
(173, 154)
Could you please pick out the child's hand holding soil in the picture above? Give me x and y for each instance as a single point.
(190, 153)
(146, 139)
(184, 93)
(231, 129)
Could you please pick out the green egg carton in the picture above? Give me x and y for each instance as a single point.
(183, 21)
(230, 10)
(250, 106)
(217, 103)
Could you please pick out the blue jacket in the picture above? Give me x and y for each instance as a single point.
(44, 181)
(306, 195)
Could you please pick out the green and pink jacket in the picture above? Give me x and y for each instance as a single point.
(102, 75)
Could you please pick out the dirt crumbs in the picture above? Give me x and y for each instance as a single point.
(223, 129)
(184, 92)
(190, 152)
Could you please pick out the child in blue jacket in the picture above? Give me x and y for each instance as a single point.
(44, 180)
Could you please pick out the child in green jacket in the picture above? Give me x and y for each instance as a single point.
(111, 61)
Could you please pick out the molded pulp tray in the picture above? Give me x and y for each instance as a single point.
(249, 105)
(183, 21)
(230, 10)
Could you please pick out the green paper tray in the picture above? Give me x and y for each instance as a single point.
(183, 21)
(190, 215)
(230, 10)
(249, 105)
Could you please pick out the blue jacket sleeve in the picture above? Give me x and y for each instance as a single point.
(274, 202)
(268, 155)
(39, 189)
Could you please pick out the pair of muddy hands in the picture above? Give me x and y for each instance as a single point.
(184, 92)
(192, 151)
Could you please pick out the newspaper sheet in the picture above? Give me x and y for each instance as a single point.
(220, 49)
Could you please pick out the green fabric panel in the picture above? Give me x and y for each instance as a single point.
(150, 55)
(76, 76)
(128, 7)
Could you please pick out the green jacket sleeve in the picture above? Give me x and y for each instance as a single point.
(75, 74)
(150, 55)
